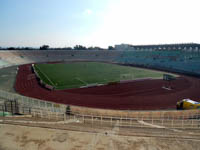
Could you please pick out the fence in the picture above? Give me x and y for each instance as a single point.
(12, 109)
(53, 111)
(32, 102)
(108, 121)
(191, 121)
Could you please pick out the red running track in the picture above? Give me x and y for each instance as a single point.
(137, 95)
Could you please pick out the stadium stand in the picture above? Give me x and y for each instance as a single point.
(183, 61)
(176, 60)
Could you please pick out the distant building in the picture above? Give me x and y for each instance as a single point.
(123, 47)
(182, 46)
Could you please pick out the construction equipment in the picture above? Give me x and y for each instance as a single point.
(187, 104)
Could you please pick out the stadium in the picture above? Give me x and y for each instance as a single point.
(123, 82)
(99, 75)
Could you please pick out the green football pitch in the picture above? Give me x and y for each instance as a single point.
(77, 74)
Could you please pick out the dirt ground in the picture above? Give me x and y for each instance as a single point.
(16, 137)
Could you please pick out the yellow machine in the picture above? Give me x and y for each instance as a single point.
(187, 104)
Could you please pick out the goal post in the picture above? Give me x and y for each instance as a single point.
(127, 76)
(168, 77)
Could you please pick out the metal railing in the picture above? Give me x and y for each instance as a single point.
(189, 122)
(151, 122)
(53, 111)
(32, 102)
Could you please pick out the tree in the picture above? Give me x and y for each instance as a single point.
(11, 48)
(80, 47)
(90, 48)
(67, 48)
(27, 48)
(98, 48)
(110, 48)
(44, 47)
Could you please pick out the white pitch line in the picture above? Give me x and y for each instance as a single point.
(46, 76)
(81, 80)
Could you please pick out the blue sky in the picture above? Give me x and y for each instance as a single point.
(60, 23)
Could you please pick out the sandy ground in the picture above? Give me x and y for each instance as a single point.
(16, 137)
